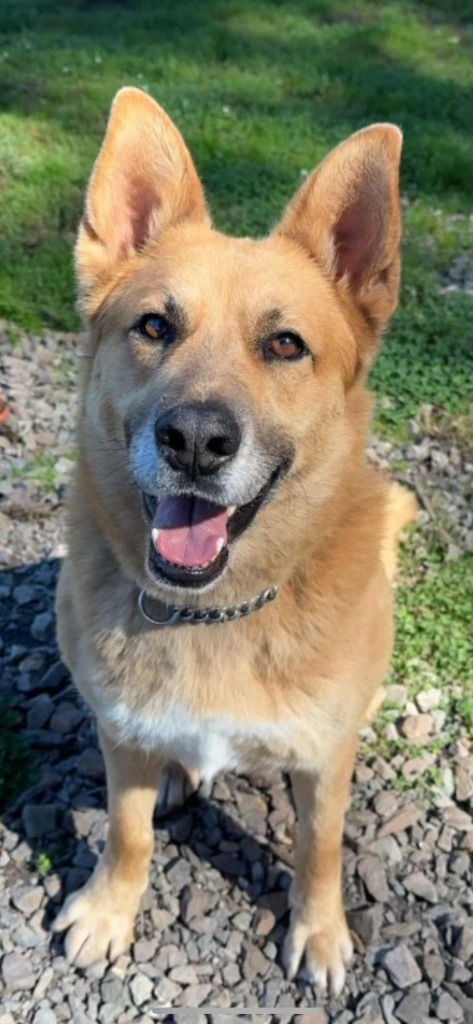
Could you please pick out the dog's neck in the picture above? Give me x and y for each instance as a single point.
(159, 613)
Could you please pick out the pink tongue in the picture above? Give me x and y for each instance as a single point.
(189, 530)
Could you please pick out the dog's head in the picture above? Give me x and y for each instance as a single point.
(218, 406)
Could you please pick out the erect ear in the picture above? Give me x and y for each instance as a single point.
(143, 180)
(347, 215)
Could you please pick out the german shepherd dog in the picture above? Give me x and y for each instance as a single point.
(226, 600)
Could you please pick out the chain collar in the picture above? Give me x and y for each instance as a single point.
(180, 615)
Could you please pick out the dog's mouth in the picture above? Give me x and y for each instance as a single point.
(190, 535)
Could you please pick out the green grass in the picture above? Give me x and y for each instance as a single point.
(261, 91)
(435, 641)
(43, 470)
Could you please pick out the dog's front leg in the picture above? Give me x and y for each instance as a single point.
(100, 917)
(318, 926)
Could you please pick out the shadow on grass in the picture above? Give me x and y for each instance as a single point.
(292, 70)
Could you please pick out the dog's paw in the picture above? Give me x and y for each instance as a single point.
(176, 785)
(327, 949)
(99, 925)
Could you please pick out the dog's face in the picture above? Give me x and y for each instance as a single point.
(216, 406)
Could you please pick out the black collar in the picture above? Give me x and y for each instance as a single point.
(180, 615)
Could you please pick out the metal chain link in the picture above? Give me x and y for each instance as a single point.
(180, 615)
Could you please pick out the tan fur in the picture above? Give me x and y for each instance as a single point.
(292, 683)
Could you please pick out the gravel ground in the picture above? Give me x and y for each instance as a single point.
(212, 923)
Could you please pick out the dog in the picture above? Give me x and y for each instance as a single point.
(226, 600)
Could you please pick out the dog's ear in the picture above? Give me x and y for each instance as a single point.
(347, 215)
(143, 180)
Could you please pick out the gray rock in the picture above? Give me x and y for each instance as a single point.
(144, 950)
(141, 988)
(434, 968)
(181, 830)
(228, 864)
(242, 921)
(366, 922)
(162, 919)
(171, 956)
(204, 924)
(90, 764)
(404, 819)
(66, 717)
(316, 1016)
(463, 946)
(28, 899)
(421, 886)
(459, 820)
(78, 1013)
(195, 995)
(167, 991)
(401, 967)
(184, 974)
(458, 992)
(231, 975)
(448, 1009)
(460, 864)
(401, 929)
(26, 938)
(17, 972)
(24, 594)
(464, 781)
(385, 803)
(254, 963)
(387, 849)
(39, 820)
(52, 886)
(43, 984)
(178, 874)
(44, 1017)
(97, 970)
(414, 1008)
(387, 1003)
(111, 989)
(429, 700)
(40, 712)
(56, 675)
(42, 626)
(264, 921)
(372, 873)
(195, 903)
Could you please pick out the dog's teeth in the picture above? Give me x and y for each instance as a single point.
(231, 510)
(154, 536)
(220, 544)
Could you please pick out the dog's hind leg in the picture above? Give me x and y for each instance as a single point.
(99, 918)
(318, 929)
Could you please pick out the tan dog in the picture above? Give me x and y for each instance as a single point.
(222, 434)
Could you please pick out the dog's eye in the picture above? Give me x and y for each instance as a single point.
(284, 346)
(154, 327)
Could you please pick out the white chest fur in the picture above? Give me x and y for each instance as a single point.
(207, 743)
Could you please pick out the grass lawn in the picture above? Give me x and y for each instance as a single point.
(261, 91)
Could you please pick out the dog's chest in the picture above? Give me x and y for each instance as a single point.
(208, 743)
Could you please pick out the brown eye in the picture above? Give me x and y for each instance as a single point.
(154, 327)
(284, 346)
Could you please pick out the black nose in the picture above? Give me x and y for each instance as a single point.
(198, 437)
